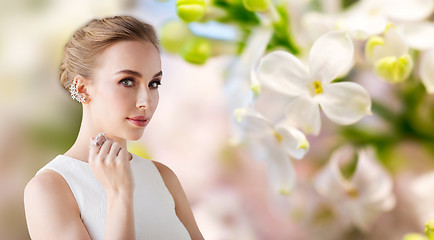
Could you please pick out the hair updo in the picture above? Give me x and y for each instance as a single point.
(82, 51)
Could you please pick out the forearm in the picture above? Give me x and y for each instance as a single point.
(120, 218)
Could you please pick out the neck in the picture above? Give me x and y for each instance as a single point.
(80, 148)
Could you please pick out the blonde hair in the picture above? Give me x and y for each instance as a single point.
(82, 51)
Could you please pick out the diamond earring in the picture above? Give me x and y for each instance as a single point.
(74, 93)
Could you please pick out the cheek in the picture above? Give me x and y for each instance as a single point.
(156, 99)
(115, 102)
(123, 101)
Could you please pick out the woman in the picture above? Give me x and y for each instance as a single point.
(97, 190)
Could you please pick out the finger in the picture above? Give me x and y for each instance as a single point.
(123, 154)
(114, 150)
(105, 148)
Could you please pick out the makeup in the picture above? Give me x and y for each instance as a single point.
(139, 121)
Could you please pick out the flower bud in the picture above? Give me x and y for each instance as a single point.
(190, 10)
(429, 229)
(196, 50)
(394, 69)
(256, 5)
(414, 236)
(371, 44)
(174, 35)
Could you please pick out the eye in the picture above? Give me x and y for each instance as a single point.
(127, 82)
(155, 84)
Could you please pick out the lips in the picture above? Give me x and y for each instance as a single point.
(139, 121)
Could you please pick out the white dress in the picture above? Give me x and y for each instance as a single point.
(154, 207)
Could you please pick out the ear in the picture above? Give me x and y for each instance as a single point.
(82, 87)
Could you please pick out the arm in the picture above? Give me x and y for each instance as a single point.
(112, 168)
(53, 213)
(51, 209)
(182, 206)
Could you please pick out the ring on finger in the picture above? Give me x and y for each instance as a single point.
(99, 140)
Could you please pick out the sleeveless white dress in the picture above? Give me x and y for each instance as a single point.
(154, 207)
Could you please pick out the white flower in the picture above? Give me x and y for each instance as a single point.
(273, 146)
(408, 10)
(238, 80)
(423, 196)
(221, 215)
(343, 102)
(427, 71)
(389, 56)
(364, 19)
(370, 17)
(418, 35)
(362, 195)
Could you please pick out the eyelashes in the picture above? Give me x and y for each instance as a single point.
(130, 82)
(155, 84)
(127, 82)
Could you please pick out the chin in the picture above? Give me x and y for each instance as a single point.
(134, 136)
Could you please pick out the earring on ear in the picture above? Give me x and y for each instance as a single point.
(74, 93)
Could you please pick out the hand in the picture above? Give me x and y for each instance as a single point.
(111, 166)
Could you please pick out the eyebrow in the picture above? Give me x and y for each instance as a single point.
(160, 73)
(137, 74)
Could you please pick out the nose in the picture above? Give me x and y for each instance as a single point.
(143, 99)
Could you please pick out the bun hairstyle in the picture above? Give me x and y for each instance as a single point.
(82, 51)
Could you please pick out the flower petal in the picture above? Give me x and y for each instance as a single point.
(365, 18)
(260, 147)
(409, 10)
(302, 112)
(252, 121)
(421, 190)
(363, 26)
(329, 181)
(316, 24)
(395, 43)
(281, 173)
(373, 181)
(293, 141)
(237, 81)
(345, 102)
(282, 72)
(427, 71)
(270, 104)
(375, 187)
(330, 56)
(418, 35)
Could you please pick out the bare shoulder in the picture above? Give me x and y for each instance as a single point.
(171, 181)
(51, 209)
(46, 185)
(182, 205)
(166, 173)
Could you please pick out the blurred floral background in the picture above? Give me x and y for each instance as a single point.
(283, 119)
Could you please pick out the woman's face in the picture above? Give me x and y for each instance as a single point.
(123, 91)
